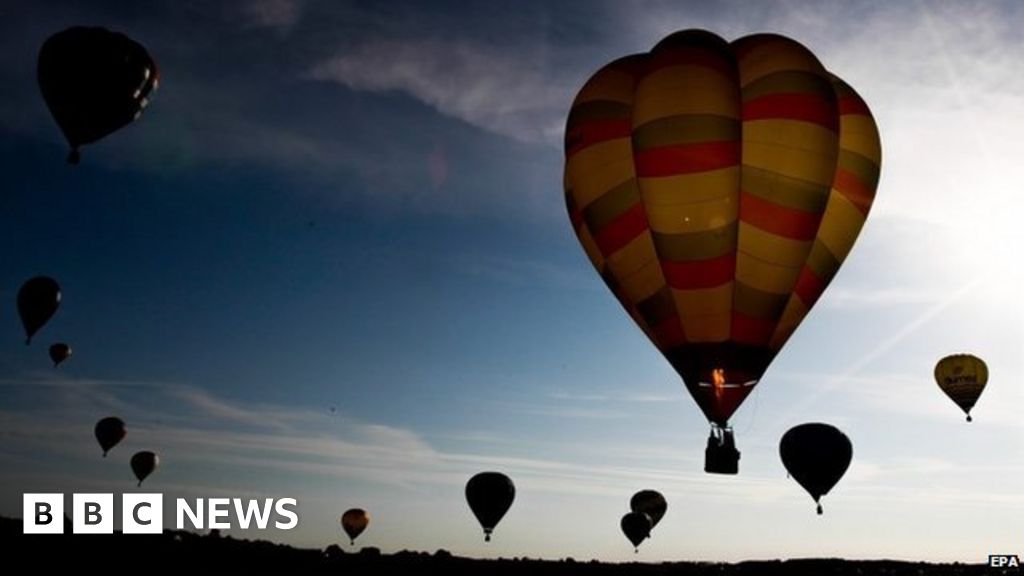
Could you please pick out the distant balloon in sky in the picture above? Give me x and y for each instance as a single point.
(59, 352)
(94, 81)
(650, 502)
(143, 464)
(636, 526)
(816, 456)
(962, 377)
(38, 300)
(717, 188)
(490, 495)
(354, 521)
(109, 431)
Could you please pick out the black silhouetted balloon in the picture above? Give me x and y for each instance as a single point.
(636, 526)
(816, 456)
(109, 431)
(38, 300)
(490, 495)
(354, 521)
(650, 502)
(94, 81)
(59, 352)
(143, 464)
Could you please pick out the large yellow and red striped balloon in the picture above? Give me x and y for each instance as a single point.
(717, 187)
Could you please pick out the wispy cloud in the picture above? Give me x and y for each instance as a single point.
(506, 91)
(613, 397)
(264, 417)
(526, 272)
(299, 443)
(846, 297)
(280, 15)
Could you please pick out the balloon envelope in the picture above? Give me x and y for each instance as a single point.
(650, 502)
(94, 81)
(636, 526)
(59, 352)
(109, 431)
(143, 464)
(354, 521)
(963, 378)
(38, 300)
(717, 188)
(816, 456)
(490, 495)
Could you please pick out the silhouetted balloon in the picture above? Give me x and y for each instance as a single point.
(816, 455)
(636, 526)
(143, 464)
(717, 187)
(354, 521)
(109, 431)
(38, 300)
(962, 377)
(59, 352)
(94, 81)
(490, 495)
(650, 502)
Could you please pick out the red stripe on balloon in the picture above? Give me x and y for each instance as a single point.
(853, 105)
(779, 220)
(809, 287)
(594, 132)
(804, 107)
(750, 330)
(697, 274)
(687, 158)
(623, 229)
(849, 185)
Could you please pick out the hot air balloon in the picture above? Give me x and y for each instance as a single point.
(59, 352)
(143, 464)
(816, 456)
(650, 502)
(354, 521)
(109, 431)
(717, 188)
(636, 526)
(94, 81)
(38, 300)
(490, 495)
(962, 377)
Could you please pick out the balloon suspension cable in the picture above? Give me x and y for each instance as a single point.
(819, 509)
(717, 434)
(74, 157)
(720, 432)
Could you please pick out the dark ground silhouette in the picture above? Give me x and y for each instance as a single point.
(192, 553)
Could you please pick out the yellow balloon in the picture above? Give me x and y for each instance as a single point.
(963, 378)
(717, 188)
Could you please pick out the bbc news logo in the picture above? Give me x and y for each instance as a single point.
(144, 513)
(1003, 561)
